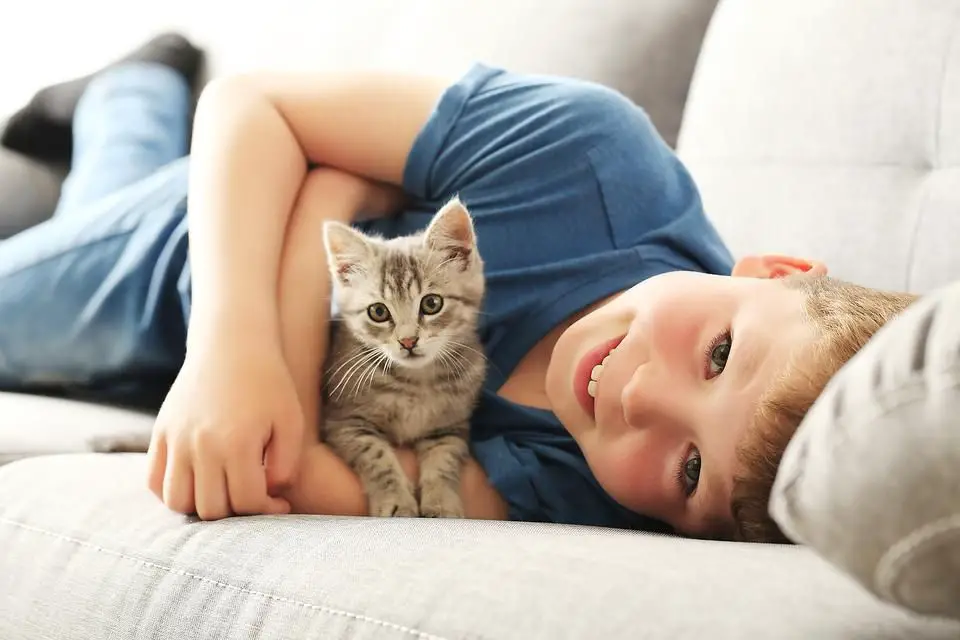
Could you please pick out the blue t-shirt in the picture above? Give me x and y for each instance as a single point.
(575, 197)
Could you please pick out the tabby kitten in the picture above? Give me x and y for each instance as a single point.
(406, 364)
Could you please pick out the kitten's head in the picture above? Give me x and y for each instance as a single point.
(414, 298)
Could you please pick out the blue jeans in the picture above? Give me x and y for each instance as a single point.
(97, 296)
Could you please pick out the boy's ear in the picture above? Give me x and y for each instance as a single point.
(775, 266)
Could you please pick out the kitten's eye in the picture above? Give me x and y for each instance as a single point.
(431, 304)
(378, 312)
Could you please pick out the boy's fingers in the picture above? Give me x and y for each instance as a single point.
(210, 490)
(247, 484)
(178, 482)
(277, 507)
(156, 463)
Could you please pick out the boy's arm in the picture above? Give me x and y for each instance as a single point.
(254, 140)
(326, 486)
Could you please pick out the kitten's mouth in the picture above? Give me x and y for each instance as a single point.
(411, 358)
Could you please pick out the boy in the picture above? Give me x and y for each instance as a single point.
(638, 375)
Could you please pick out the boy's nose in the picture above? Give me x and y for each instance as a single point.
(408, 343)
(652, 398)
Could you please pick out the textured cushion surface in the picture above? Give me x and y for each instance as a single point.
(832, 130)
(89, 553)
(872, 478)
(34, 425)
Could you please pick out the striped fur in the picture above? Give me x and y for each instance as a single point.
(379, 394)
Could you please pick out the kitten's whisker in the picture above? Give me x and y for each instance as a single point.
(479, 353)
(368, 372)
(359, 352)
(357, 361)
(450, 356)
(469, 348)
(376, 370)
(387, 363)
(444, 358)
(354, 369)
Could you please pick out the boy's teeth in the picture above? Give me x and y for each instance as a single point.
(595, 375)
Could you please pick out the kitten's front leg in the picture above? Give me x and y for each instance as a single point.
(368, 452)
(441, 455)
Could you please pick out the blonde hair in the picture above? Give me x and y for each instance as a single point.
(845, 317)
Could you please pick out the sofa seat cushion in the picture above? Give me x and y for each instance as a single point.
(89, 553)
(38, 425)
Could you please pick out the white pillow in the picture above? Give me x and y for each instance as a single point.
(871, 480)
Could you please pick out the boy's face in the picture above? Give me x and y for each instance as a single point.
(660, 423)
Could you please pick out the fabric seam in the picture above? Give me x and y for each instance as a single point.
(890, 566)
(224, 585)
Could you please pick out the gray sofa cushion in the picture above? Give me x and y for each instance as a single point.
(89, 553)
(871, 480)
(36, 425)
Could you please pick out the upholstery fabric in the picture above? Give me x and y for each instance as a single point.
(89, 553)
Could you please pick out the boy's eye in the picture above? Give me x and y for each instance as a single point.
(378, 312)
(719, 353)
(688, 475)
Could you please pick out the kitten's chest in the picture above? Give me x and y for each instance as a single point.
(415, 414)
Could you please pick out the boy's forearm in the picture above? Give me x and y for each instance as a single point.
(304, 290)
(327, 486)
(246, 172)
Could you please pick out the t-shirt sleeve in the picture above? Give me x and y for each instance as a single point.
(578, 152)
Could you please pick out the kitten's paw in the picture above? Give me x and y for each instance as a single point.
(440, 502)
(394, 505)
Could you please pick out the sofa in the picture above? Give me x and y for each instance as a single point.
(820, 128)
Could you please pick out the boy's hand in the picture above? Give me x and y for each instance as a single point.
(229, 433)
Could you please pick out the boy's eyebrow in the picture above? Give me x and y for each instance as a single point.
(748, 356)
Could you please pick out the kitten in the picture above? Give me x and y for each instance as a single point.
(406, 364)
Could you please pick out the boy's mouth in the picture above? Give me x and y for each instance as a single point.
(587, 374)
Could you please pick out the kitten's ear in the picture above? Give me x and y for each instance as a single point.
(347, 250)
(451, 232)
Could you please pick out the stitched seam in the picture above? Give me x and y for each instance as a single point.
(937, 158)
(910, 390)
(915, 235)
(938, 115)
(223, 585)
(891, 563)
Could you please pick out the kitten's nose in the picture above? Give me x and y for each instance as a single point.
(408, 343)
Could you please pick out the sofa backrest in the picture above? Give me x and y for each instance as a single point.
(645, 48)
(832, 130)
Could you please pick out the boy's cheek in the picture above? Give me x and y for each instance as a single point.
(629, 479)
